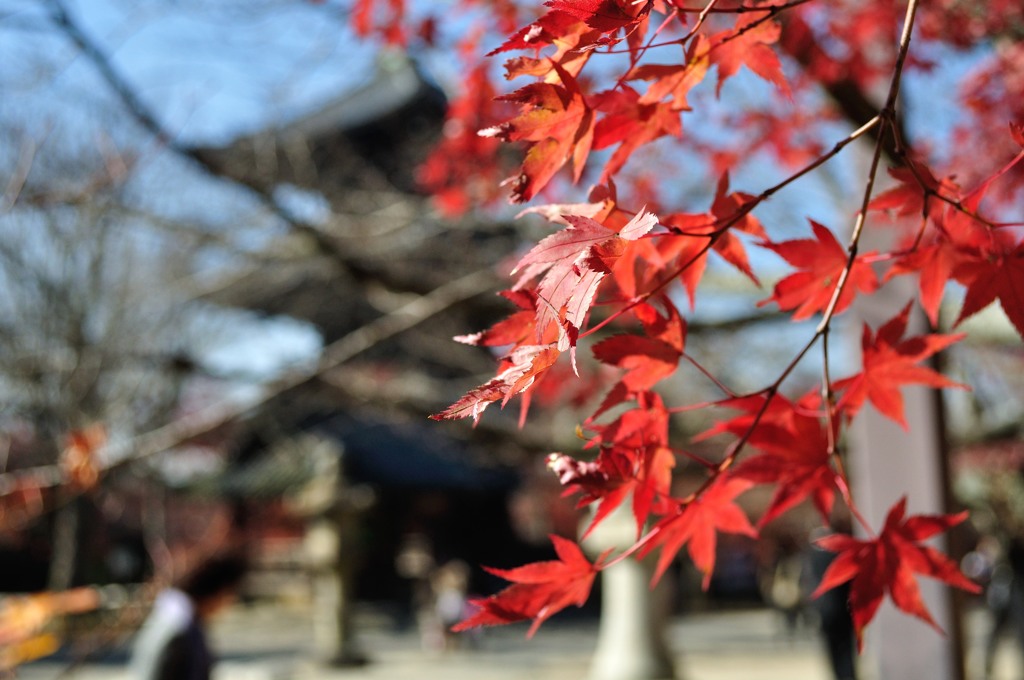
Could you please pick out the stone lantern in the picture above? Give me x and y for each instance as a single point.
(631, 636)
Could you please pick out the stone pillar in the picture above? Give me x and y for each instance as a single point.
(334, 634)
(332, 508)
(887, 463)
(631, 636)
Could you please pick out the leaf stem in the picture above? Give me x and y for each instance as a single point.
(743, 9)
(707, 374)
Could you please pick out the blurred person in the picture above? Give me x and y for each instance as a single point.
(1004, 549)
(172, 644)
(782, 581)
(449, 583)
(1005, 598)
(835, 621)
(986, 565)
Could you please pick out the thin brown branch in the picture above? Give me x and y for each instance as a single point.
(710, 376)
(827, 394)
(771, 11)
(888, 114)
(741, 9)
(17, 181)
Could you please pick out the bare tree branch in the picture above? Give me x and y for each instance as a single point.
(205, 421)
(17, 181)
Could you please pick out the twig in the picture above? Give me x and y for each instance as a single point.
(17, 181)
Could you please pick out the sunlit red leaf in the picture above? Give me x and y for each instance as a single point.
(697, 524)
(385, 18)
(821, 261)
(890, 362)
(997, 274)
(557, 123)
(934, 264)
(603, 15)
(675, 80)
(643, 473)
(909, 196)
(538, 590)
(747, 44)
(630, 123)
(650, 357)
(688, 247)
(634, 458)
(518, 371)
(794, 444)
(519, 328)
(571, 266)
(464, 169)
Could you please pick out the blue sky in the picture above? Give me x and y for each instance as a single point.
(210, 71)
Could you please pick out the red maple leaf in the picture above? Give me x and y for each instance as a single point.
(890, 362)
(888, 564)
(606, 16)
(517, 372)
(650, 357)
(544, 31)
(728, 212)
(538, 590)
(934, 262)
(821, 261)
(570, 273)
(616, 473)
(517, 329)
(464, 169)
(559, 125)
(645, 425)
(368, 16)
(571, 269)
(634, 457)
(956, 239)
(909, 197)
(794, 443)
(995, 273)
(675, 80)
(630, 123)
(747, 43)
(696, 525)
(574, 27)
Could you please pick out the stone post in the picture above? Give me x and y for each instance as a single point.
(631, 635)
(886, 463)
(332, 508)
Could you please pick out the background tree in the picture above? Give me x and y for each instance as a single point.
(94, 333)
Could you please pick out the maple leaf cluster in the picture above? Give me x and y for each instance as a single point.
(610, 80)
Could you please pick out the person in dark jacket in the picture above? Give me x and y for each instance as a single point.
(172, 642)
(832, 606)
